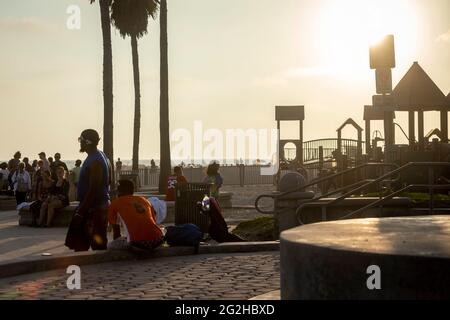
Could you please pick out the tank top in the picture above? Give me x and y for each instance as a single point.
(102, 194)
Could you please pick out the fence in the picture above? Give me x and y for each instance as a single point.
(232, 175)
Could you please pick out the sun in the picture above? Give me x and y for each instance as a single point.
(347, 28)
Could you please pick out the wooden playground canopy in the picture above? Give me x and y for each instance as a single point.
(415, 92)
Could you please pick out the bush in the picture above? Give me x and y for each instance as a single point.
(259, 229)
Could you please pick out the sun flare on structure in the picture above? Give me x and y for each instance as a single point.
(347, 28)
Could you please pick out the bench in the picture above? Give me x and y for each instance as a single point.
(62, 217)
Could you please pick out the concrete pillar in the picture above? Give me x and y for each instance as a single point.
(411, 128)
(359, 147)
(421, 134)
(444, 126)
(300, 151)
(367, 136)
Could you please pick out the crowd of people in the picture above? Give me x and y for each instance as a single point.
(46, 183)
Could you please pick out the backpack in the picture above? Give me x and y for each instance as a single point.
(22, 185)
(184, 235)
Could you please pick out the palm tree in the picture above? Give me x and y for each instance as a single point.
(130, 17)
(165, 165)
(107, 80)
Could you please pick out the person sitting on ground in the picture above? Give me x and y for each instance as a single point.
(172, 182)
(22, 183)
(58, 198)
(4, 173)
(213, 177)
(137, 216)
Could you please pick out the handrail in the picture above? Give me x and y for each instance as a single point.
(316, 181)
(378, 180)
(393, 194)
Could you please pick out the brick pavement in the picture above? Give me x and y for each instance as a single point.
(218, 276)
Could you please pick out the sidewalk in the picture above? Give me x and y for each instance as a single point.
(25, 242)
(27, 250)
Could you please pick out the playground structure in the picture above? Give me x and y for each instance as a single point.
(358, 178)
(414, 93)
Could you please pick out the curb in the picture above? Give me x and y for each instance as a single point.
(38, 264)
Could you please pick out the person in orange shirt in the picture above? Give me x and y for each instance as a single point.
(172, 181)
(138, 218)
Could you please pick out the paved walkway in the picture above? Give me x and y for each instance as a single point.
(220, 276)
(17, 242)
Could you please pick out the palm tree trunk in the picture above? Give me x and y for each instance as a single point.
(107, 83)
(137, 102)
(165, 165)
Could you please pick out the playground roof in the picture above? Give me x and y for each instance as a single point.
(351, 122)
(416, 91)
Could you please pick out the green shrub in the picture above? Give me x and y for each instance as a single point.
(259, 229)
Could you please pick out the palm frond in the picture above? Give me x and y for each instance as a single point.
(130, 17)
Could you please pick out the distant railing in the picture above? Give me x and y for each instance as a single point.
(232, 175)
(311, 151)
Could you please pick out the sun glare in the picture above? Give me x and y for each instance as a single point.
(347, 28)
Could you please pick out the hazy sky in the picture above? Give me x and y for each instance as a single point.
(230, 63)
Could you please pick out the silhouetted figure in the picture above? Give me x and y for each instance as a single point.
(13, 165)
(118, 165)
(28, 166)
(58, 198)
(172, 182)
(22, 183)
(56, 164)
(89, 223)
(213, 177)
(4, 173)
(138, 217)
(43, 157)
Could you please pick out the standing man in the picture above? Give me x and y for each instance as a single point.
(88, 227)
(43, 157)
(118, 165)
(22, 183)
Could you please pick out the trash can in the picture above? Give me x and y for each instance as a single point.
(186, 211)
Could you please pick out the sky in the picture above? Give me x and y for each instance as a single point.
(230, 63)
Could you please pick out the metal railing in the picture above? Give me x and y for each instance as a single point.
(383, 199)
(321, 180)
(349, 147)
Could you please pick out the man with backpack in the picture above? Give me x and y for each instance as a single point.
(22, 183)
(137, 216)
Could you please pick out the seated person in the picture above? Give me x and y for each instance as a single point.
(172, 181)
(138, 218)
(58, 198)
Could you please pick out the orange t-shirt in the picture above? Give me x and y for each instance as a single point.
(137, 216)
